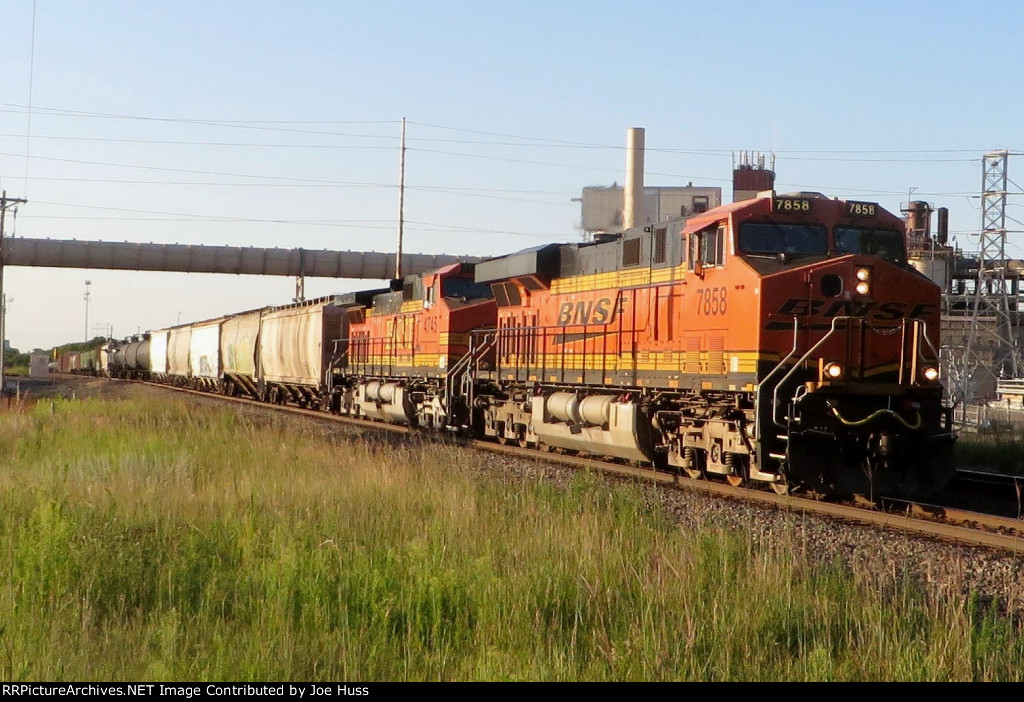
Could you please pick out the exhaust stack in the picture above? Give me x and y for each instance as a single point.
(633, 193)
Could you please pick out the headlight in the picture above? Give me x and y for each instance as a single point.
(930, 373)
(863, 275)
(834, 371)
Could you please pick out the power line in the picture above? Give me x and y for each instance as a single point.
(171, 142)
(189, 170)
(523, 140)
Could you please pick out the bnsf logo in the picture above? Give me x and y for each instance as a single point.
(600, 311)
(879, 311)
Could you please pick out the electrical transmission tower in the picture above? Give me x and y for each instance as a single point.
(991, 346)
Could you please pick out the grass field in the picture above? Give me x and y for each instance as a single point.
(999, 449)
(146, 540)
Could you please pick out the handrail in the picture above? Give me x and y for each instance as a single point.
(764, 381)
(457, 373)
(796, 366)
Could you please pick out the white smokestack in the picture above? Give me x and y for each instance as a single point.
(633, 194)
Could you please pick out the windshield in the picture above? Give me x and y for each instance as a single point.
(884, 243)
(463, 287)
(765, 238)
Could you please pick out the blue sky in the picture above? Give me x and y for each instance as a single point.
(277, 124)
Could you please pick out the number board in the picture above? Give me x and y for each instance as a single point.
(800, 205)
(861, 209)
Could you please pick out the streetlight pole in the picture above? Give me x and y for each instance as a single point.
(86, 298)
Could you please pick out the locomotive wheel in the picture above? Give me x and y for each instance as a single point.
(694, 473)
(781, 487)
(523, 443)
(740, 472)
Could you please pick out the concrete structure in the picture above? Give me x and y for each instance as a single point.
(603, 207)
(38, 365)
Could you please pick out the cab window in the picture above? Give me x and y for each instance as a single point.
(707, 247)
(884, 243)
(790, 239)
(465, 288)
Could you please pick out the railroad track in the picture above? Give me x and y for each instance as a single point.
(947, 523)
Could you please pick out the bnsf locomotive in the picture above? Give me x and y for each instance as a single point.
(783, 340)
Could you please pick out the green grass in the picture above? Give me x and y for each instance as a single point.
(998, 449)
(157, 541)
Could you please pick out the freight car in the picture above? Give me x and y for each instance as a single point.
(93, 362)
(129, 359)
(275, 354)
(295, 352)
(68, 362)
(783, 340)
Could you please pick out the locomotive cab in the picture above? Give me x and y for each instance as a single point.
(848, 333)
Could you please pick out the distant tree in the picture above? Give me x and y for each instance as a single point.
(78, 346)
(14, 357)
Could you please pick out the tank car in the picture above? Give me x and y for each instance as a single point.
(782, 340)
(409, 352)
(129, 359)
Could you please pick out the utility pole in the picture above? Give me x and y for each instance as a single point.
(401, 205)
(5, 202)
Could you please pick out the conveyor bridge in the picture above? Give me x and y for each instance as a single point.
(240, 260)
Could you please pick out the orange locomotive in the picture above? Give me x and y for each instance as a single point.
(783, 339)
(408, 351)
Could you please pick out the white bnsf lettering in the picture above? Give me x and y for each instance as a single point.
(601, 311)
(879, 311)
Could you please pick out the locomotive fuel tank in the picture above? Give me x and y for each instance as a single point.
(603, 424)
(389, 402)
